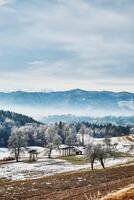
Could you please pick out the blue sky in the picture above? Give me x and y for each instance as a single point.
(65, 44)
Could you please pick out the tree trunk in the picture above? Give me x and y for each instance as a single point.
(50, 152)
(102, 163)
(33, 157)
(82, 139)
(30, 157)
(17, 158)
(92, 164)
(16, 155)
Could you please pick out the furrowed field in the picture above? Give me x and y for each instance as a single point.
(80, 185)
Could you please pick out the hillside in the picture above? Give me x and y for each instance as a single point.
(17, 119)
(73, 101)
(8, 120)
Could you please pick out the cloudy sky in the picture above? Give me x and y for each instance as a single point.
(65, 44)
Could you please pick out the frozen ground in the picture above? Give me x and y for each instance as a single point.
(46, 167)
(5, 152)
(123, 144)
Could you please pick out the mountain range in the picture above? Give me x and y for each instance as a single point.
(77, 101)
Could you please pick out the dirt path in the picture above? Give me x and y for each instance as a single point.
(69, 186)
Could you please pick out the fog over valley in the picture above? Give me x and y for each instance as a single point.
(75, 102)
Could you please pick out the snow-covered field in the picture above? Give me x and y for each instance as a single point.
(22, 170)
(46, 167)
(4, 153)
(122, 144)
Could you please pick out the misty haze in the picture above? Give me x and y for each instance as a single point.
(75, 102)
(66, 99)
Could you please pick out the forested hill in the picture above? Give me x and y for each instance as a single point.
(15, 118)
(10, 119)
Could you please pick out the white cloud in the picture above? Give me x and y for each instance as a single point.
(6, 2)
(71, 43)
(3, 2)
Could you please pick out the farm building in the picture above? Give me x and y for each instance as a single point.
(66, 150)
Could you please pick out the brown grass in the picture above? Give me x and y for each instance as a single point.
(82, 185)
(125, 194)
(130, 138)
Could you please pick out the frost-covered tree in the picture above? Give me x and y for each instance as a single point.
(65, 131)
(53, 140)
(39, 135)
(71, 137)
(17, 141)
(83, 131)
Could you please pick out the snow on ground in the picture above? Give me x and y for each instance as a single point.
(46, 167)
(43, 167)
(122, 144)
(4, 153)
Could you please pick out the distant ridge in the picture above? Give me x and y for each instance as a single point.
(120, 120)
(75, 101)
(71, 90)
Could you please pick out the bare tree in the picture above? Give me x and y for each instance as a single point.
(96, 152)
(17, 141)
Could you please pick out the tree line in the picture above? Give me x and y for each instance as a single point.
(52, 136)
(67, 132)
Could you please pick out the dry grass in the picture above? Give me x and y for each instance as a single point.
(129, 138)
(76, 160)
(124, 194)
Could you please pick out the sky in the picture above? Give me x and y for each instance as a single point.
(66, 44)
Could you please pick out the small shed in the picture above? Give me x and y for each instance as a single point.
(33, 155)
(66, 150)
(78, 150)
